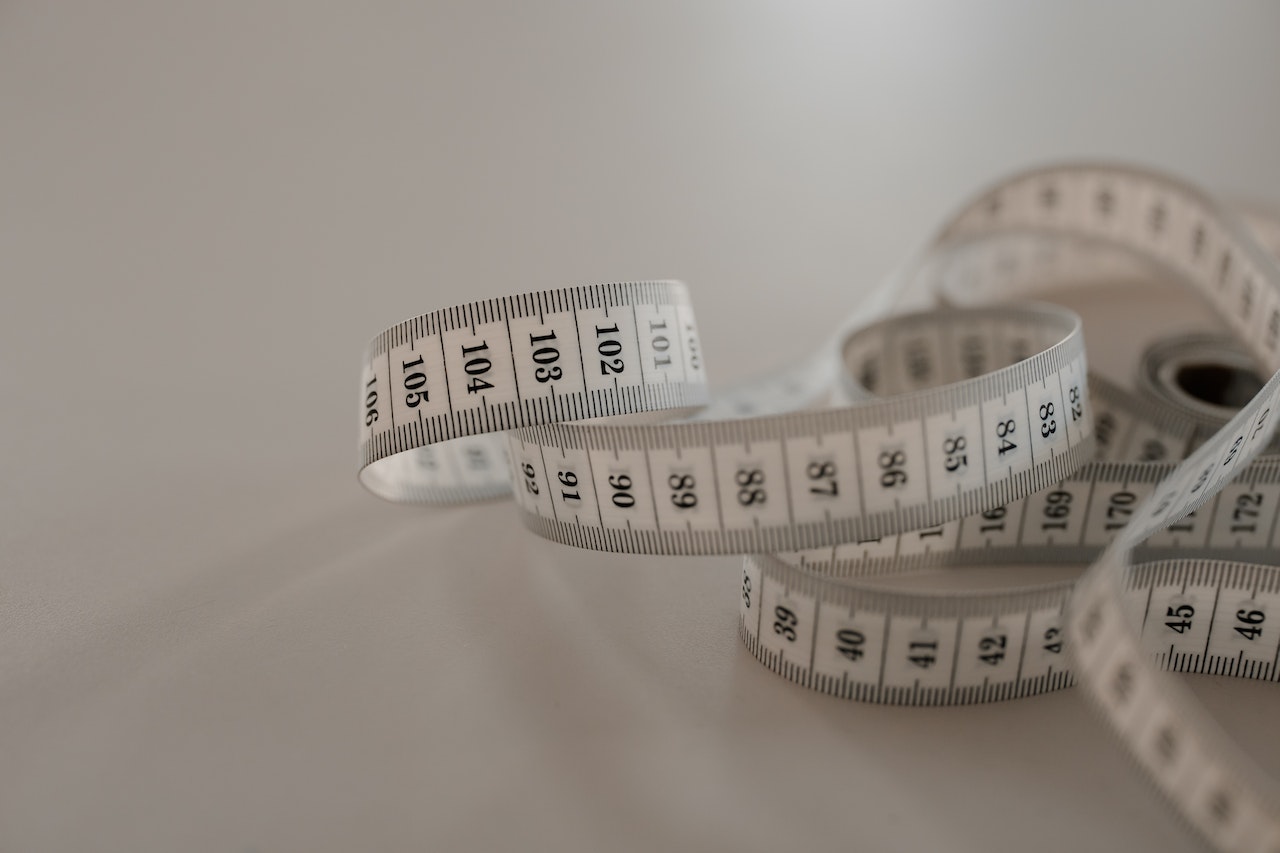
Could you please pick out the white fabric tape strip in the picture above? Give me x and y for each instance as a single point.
(1214, 785)
(808, 479)
(585, 352)
(969, 439)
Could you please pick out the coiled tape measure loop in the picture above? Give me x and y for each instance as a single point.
(437, 387)
(973, 436)
(810, 479)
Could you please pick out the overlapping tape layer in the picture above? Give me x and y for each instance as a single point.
(974, 435)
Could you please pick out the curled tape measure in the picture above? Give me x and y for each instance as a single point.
(971, 433)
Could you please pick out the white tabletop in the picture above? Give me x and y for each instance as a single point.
(212, 639)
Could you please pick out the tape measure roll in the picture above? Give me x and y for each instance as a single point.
(966, 441)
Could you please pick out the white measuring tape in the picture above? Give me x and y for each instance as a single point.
(972, 435)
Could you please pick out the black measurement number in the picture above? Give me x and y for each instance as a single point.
(530, 478)
(414, 383)
(1048, 425)
(660, 343)
(1004, 429)
(1119, 508)
(1053, 640)
(371, 402)
(1077, 406)
(1250, 626)
(622, 497)
(1262, 421)
(545, 357)
(953, 449)
(1244, 515)
(682, 495)
(568, 480)
(995, 520)
(923, 653)
(1057, 506)
(892, 465)
(746, 590)
(850, 643)
(784, 623)
(1179, 617)
(477, 367)
(750, 486)
(1235, 448)
(823, 475)
(991, 647)
(609, 349)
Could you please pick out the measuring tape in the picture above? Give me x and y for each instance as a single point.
(968, 434)
(587, 352)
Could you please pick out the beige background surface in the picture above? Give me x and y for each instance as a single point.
(212, 640)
